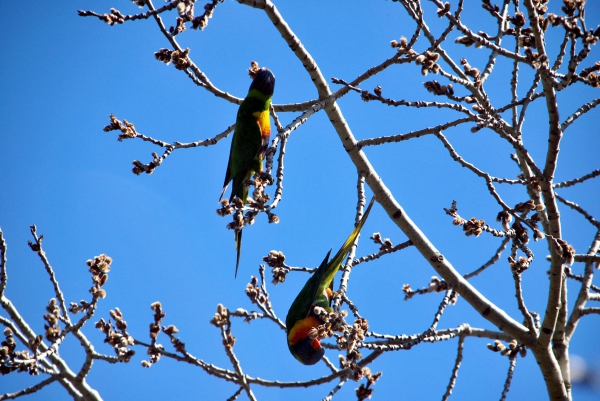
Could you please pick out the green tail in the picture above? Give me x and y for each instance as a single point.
(238, 247)
(242, 193)
(334, 264)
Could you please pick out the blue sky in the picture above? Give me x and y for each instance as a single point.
(63, 75)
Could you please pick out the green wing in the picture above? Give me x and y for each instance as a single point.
(245, 148)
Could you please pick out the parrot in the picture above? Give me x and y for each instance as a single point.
(317, 291)
(250, 141)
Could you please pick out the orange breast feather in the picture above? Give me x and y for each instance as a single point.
(302, 328)
(262, 118)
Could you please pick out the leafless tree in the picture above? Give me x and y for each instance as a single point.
(541, 68)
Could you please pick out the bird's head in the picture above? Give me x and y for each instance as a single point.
(302, 345)
(308, 351)
(264, 82)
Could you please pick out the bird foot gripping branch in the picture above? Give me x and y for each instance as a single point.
(333, 322)
(254, 205)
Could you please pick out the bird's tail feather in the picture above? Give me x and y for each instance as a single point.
(238, 247)
(223, 191)
(341, 254)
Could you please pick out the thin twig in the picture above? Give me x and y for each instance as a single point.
(498, 39)
(3, 274)
(581, 279)
(528, 99)
(515, 76)
(489, 180)
(232, 376)
(335, 389)
(474, 169)
(352, 306)
(329, 364)
(368, 96)
(413, 134)
(267, 308)
(490, 262)
(448, 297)
(584, 294)
(236, 394)
(479, 39)
(509, 376)
(347, 266)
(383, 251)
(279, 175)
(586, 258)
(574, 181)
(590, 310)
(235, 362)
(521, 303)
(29, 390)
(578, 208)
(57, 291)
(459, 357)
(463, 329)
(128, 17)
(561, 54)
(579, 112)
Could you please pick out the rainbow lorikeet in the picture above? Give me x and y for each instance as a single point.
(250, 141)
(317, 291)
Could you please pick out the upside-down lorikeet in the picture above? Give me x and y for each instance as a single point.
(317, 291)
(250, 141)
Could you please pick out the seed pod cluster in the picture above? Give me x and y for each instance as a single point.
(428, 62)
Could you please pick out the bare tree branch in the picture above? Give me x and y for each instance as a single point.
(579, 180)
(459, 358)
